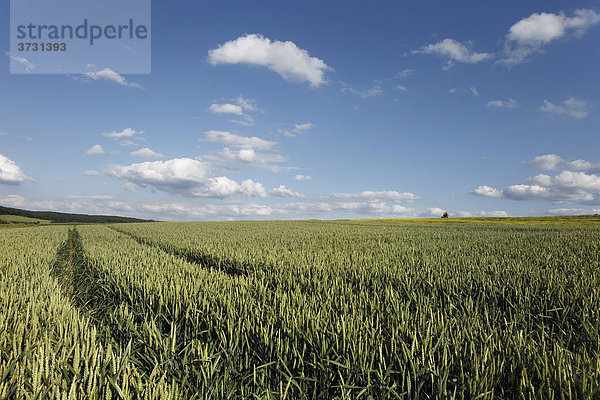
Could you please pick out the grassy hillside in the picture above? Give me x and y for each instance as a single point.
(17, 216)
(18, 219)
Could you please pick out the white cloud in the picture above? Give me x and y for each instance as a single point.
(226, 109)
(28, 65)
(250, 157)
(540, 180)
(375, 91)
(129, 143)
(433, 212)
(389, 195)
(298, 128)
(242, 105)
(236, 210)
(248, 120)
(572, 211)
(282, 191)
(225, 209)
(10, 172)
(224, 187)
(528, 36)
(378, 208)
(454, 51)
(95, 149)
(91, 172)
(183, 176)
(553, 192)
(582, 165)
(108, 74)
(577, 180)
(473, 90)
(12, 200)
(572, 107)
(405, 73)
(579, 165)
(487, 191)
(461, 214)
(288, 60)
(301, 177)
(496, 214)
(238, 141)
(400, 209)
(127, 132)
(247, 104)
(146, 153)
(402, 88)
(510, 103)
(581, 185)
(302, 127)
(546, 161)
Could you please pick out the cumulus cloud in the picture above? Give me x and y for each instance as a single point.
(108, 74)
(183, 176)
(232, 139)
(572, 211)
(433, 212)
(461, 214)
(286, 58)
(454, 51)
(10, 172)
(553, 162)
(582, 165)
(95, 149)
(27, 65)
(546, 161)
(577, 182)
(496, 214)
(250, 157)
(146, 153)
(510, 103)
(530, 35)
(282, 191)
(487, 191)
(12, 200)
(238, 106)
(301, 177)
(572, 107)
(125, 133)
(386, 195)
(226, 109)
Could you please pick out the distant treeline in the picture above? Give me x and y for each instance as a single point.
(58, 217)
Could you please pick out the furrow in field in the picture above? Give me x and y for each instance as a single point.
(110, 311)
(229, 267)
(48, 347)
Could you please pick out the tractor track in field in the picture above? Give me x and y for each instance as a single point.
(98, 295)
(229, 267)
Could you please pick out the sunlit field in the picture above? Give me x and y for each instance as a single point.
(379, 309)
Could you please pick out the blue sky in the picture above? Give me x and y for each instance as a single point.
(287, 110)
